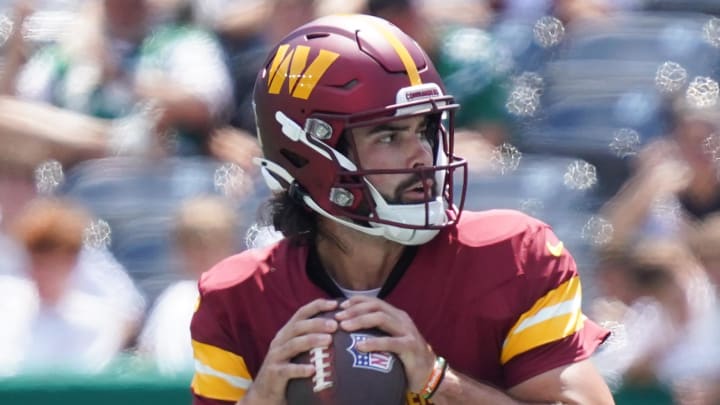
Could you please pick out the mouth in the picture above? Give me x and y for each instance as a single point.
(420, 192)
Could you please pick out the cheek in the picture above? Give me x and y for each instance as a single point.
(384, 183)
(378, 159)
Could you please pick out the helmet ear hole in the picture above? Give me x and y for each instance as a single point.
(296, 160)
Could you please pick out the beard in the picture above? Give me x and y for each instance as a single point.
(397, 196)
(415, 178)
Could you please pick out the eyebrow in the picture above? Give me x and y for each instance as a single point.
(388, 127)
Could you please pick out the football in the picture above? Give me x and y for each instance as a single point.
(346, 376)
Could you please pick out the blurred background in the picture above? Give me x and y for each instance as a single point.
(126, 139)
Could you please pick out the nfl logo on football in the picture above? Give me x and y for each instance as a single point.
(377, 361)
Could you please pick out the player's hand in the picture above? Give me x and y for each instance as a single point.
(405, 340)
(300, 334)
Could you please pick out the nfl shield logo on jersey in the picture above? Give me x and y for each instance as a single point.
(377, 361)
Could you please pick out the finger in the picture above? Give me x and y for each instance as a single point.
(292, 370)
(306, 311)
(361, 305)
(272, 378)
(382, 344)
(304, 327)
(378, 319)
(357, 300)
(313, 308)
(288, 371)
(300, 344)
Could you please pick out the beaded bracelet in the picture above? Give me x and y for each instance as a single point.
(436, 377)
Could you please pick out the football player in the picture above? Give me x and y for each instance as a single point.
(357, 136)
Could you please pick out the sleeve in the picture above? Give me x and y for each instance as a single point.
(550, 330)
(221, 375)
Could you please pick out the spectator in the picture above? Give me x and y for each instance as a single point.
(705, 240)
(204, 233)
(117, 64)
(13, 258)
(139, 69)
(675, 180)
(61, 316)
(658, 295)
(117, 83)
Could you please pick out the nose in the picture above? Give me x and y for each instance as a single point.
(419, 152)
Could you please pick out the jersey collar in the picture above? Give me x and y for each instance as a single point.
(319, 276)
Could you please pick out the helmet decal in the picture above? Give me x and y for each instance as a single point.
(402, 53)
(293, 66)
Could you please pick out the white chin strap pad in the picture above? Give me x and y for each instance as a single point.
(406, 236)
(410, 214)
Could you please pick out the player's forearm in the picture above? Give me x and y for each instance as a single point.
(457, 389)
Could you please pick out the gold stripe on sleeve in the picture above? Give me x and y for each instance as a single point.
(214, 387)
(554, 316)
(219, 374)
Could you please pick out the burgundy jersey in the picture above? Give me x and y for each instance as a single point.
(497, 295)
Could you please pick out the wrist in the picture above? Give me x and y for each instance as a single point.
(435, 378)
(251, 397)
(448, 388)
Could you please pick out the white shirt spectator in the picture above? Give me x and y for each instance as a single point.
(166, 336)
(83, 332)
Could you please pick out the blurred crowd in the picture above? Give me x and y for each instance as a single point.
(127, 136)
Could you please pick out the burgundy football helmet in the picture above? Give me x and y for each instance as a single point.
(342, 72)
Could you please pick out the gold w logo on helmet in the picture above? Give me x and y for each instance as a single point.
(293, 66)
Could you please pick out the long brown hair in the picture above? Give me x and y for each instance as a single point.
(290, 217)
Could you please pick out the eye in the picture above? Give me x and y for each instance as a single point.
(387, 137)
(426, 135)
(423, 133)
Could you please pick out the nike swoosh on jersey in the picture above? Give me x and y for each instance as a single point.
(555, 250)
